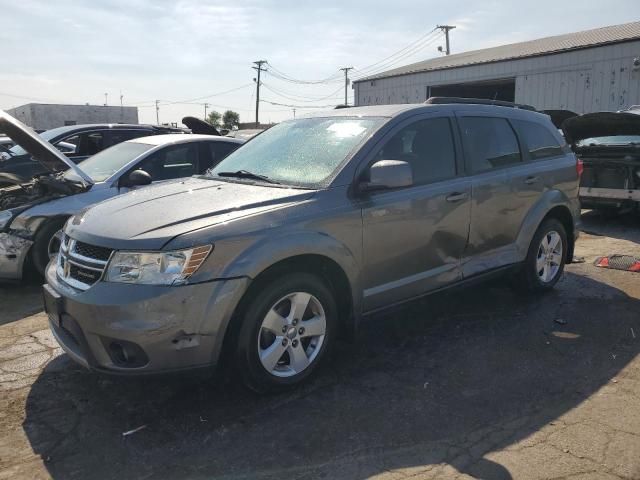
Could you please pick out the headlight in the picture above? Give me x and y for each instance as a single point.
(5, 218)
(156, 268)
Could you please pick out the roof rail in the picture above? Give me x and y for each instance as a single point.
(476, 101)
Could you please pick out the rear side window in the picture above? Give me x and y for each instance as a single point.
(174, 161)
(539, 140)
(118, 136)
(87, 143)
(489, 143)
(427, 145)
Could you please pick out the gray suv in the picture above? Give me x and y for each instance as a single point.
(283, 247)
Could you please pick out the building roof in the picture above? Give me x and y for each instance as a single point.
(532, 48)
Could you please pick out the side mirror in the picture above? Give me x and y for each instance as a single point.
(388, 174)
(138, 178)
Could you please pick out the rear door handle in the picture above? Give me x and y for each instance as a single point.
(456, 197)
(531, 180)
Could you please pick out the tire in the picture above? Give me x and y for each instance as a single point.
(536, 279)
(272, 342)
(40, 248)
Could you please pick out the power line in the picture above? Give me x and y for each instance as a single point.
(300, 98)
(287, 78)
(301, 107)
(407, 53)
(189, 100)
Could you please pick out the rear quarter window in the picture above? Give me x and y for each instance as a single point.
(539, 141)
(489, 143)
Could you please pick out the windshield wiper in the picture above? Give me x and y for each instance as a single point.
(246, 174)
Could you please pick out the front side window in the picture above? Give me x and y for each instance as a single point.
(489, 142)
(303, 152)
(540, 142)
(427, 145)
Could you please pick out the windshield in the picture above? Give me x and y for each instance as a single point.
(301, 152)
(611, 140)
(107, 162)
(47, 135)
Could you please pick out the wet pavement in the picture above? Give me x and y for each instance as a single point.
(477, 383)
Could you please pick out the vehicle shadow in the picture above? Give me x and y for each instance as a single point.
(446, 380)
(19, 299)
(625, 226)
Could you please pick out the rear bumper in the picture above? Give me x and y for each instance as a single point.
(595, 194)
(159, 328)
(13, 252)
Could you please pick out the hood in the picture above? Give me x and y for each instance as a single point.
(559, 116)
(200, 126)
(148, 218)
(600, 124)
(40, 149)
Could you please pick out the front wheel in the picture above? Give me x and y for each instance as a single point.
(46, 244)
(546, 257)
(288, 328)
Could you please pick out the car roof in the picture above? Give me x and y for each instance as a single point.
(61, 131)
(391, 111)
(177, 138)
(368, 111)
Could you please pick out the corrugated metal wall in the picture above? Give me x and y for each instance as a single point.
(588, 80)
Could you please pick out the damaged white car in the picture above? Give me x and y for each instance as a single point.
(33, 212)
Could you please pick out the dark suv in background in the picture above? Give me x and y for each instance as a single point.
(311, 226)
(77, 142)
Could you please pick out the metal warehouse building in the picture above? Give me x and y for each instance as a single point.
(584, 72)
(43, 116)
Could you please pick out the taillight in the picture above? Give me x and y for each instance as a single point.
(579, 167)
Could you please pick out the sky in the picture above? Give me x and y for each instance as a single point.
(186, 53)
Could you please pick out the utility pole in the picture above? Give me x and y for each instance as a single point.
(105, 99)
(157, 112)
(346, 82)
(259, 69)
(294, 113)
(445, 29)
(121, 107)
(206, 105)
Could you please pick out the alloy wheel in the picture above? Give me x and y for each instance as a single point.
(291, 334)
(549, 257)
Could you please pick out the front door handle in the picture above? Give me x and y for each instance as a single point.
(531, 180)
(456, 197)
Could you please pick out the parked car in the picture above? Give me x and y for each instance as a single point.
(311, 226)
(608, 143)
(77, 142)
(31, 213)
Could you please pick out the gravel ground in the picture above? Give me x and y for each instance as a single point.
(477, 383)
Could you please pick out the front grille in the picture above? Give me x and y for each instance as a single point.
(81, 265)
(91, 251)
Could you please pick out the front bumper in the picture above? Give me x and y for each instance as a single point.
(13, 252)
(159, 328)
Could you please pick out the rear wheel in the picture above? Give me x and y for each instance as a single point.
(546, 257)
(287, 329)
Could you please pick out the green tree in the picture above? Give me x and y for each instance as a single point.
(230, 119)
(214, 118)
